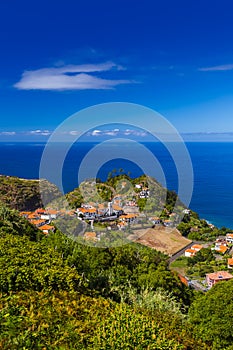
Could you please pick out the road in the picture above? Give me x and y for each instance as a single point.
(180, 252)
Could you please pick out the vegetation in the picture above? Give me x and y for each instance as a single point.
(211, 319)
(52, 289)
(57, 293)
(24, 194)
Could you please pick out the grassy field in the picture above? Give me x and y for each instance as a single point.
(166, 240)
(180, 265)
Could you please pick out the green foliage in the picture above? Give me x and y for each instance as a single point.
(12, 223)
(67, 320)
(33, 265)
(210, 316)
(205, 254)
(24, 194)
(75, 198)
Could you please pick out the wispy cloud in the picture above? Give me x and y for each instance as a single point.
(40, 132)
(70, 77)
(8, 133)
(224, 67)
(117, 132)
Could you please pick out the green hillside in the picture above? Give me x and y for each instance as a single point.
(59, 294)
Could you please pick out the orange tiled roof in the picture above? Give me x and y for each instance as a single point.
(230, 235)
(190, 250)
(46, 227)
(52, 211)
(222, 249)
(40, 211)
(25, 213)
(89, 210)
(219, 275)
(37, 222)
(230, 261)
(197, 246)
(128, 216)
(32, 217)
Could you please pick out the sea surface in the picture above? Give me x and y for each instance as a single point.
(212, 165)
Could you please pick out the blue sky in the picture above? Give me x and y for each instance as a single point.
(58, 57)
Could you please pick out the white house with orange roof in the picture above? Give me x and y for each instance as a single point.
(46, 229)
(189, 253)
(230, 263)
(193, 250)
(229, 238)
(215, 277)
(38, 222)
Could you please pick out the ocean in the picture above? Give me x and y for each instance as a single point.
(212, 164)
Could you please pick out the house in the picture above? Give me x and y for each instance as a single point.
(51, 213)
(145, 193)
(117, 209)
(38, 222)
(155, 220)
(186, 211)
(222, 249)
(189, 253)
(46, 228)
(229, 238)
(230, 263)
(138, 186)
(25, 214)
(87, 213)
(128, 217)
(121, 225)
(215, 277)
(197, 247)
(193, 250)
(168, 223)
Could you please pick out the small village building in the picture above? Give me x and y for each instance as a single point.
(47, 228)
(215, 277)
(222, 249)
(230, 263)
(168, 223)
(155, 220)
(38, 222)
(193, 250)
(197, 247)
(25, 214)
(229, 238)
(128, 217)
(138, 186)
(189, 253)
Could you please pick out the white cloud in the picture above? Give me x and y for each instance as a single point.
(224, 67)
(8, 133)
(118, 132)
(40, 132)
(128, 132)
(74, 132)
(70, 77)
(96, 133)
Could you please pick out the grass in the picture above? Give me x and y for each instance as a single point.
(180, 265)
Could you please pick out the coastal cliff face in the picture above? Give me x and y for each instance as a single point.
(22, 194)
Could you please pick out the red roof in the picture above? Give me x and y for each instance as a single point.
(220, 275)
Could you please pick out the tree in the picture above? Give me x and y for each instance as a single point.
(210, 316)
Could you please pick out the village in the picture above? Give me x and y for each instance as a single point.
(122, 214)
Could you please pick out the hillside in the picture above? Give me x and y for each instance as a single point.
(22, 194)
(59, 294)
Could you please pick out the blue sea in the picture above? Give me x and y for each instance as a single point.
(212, 165)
